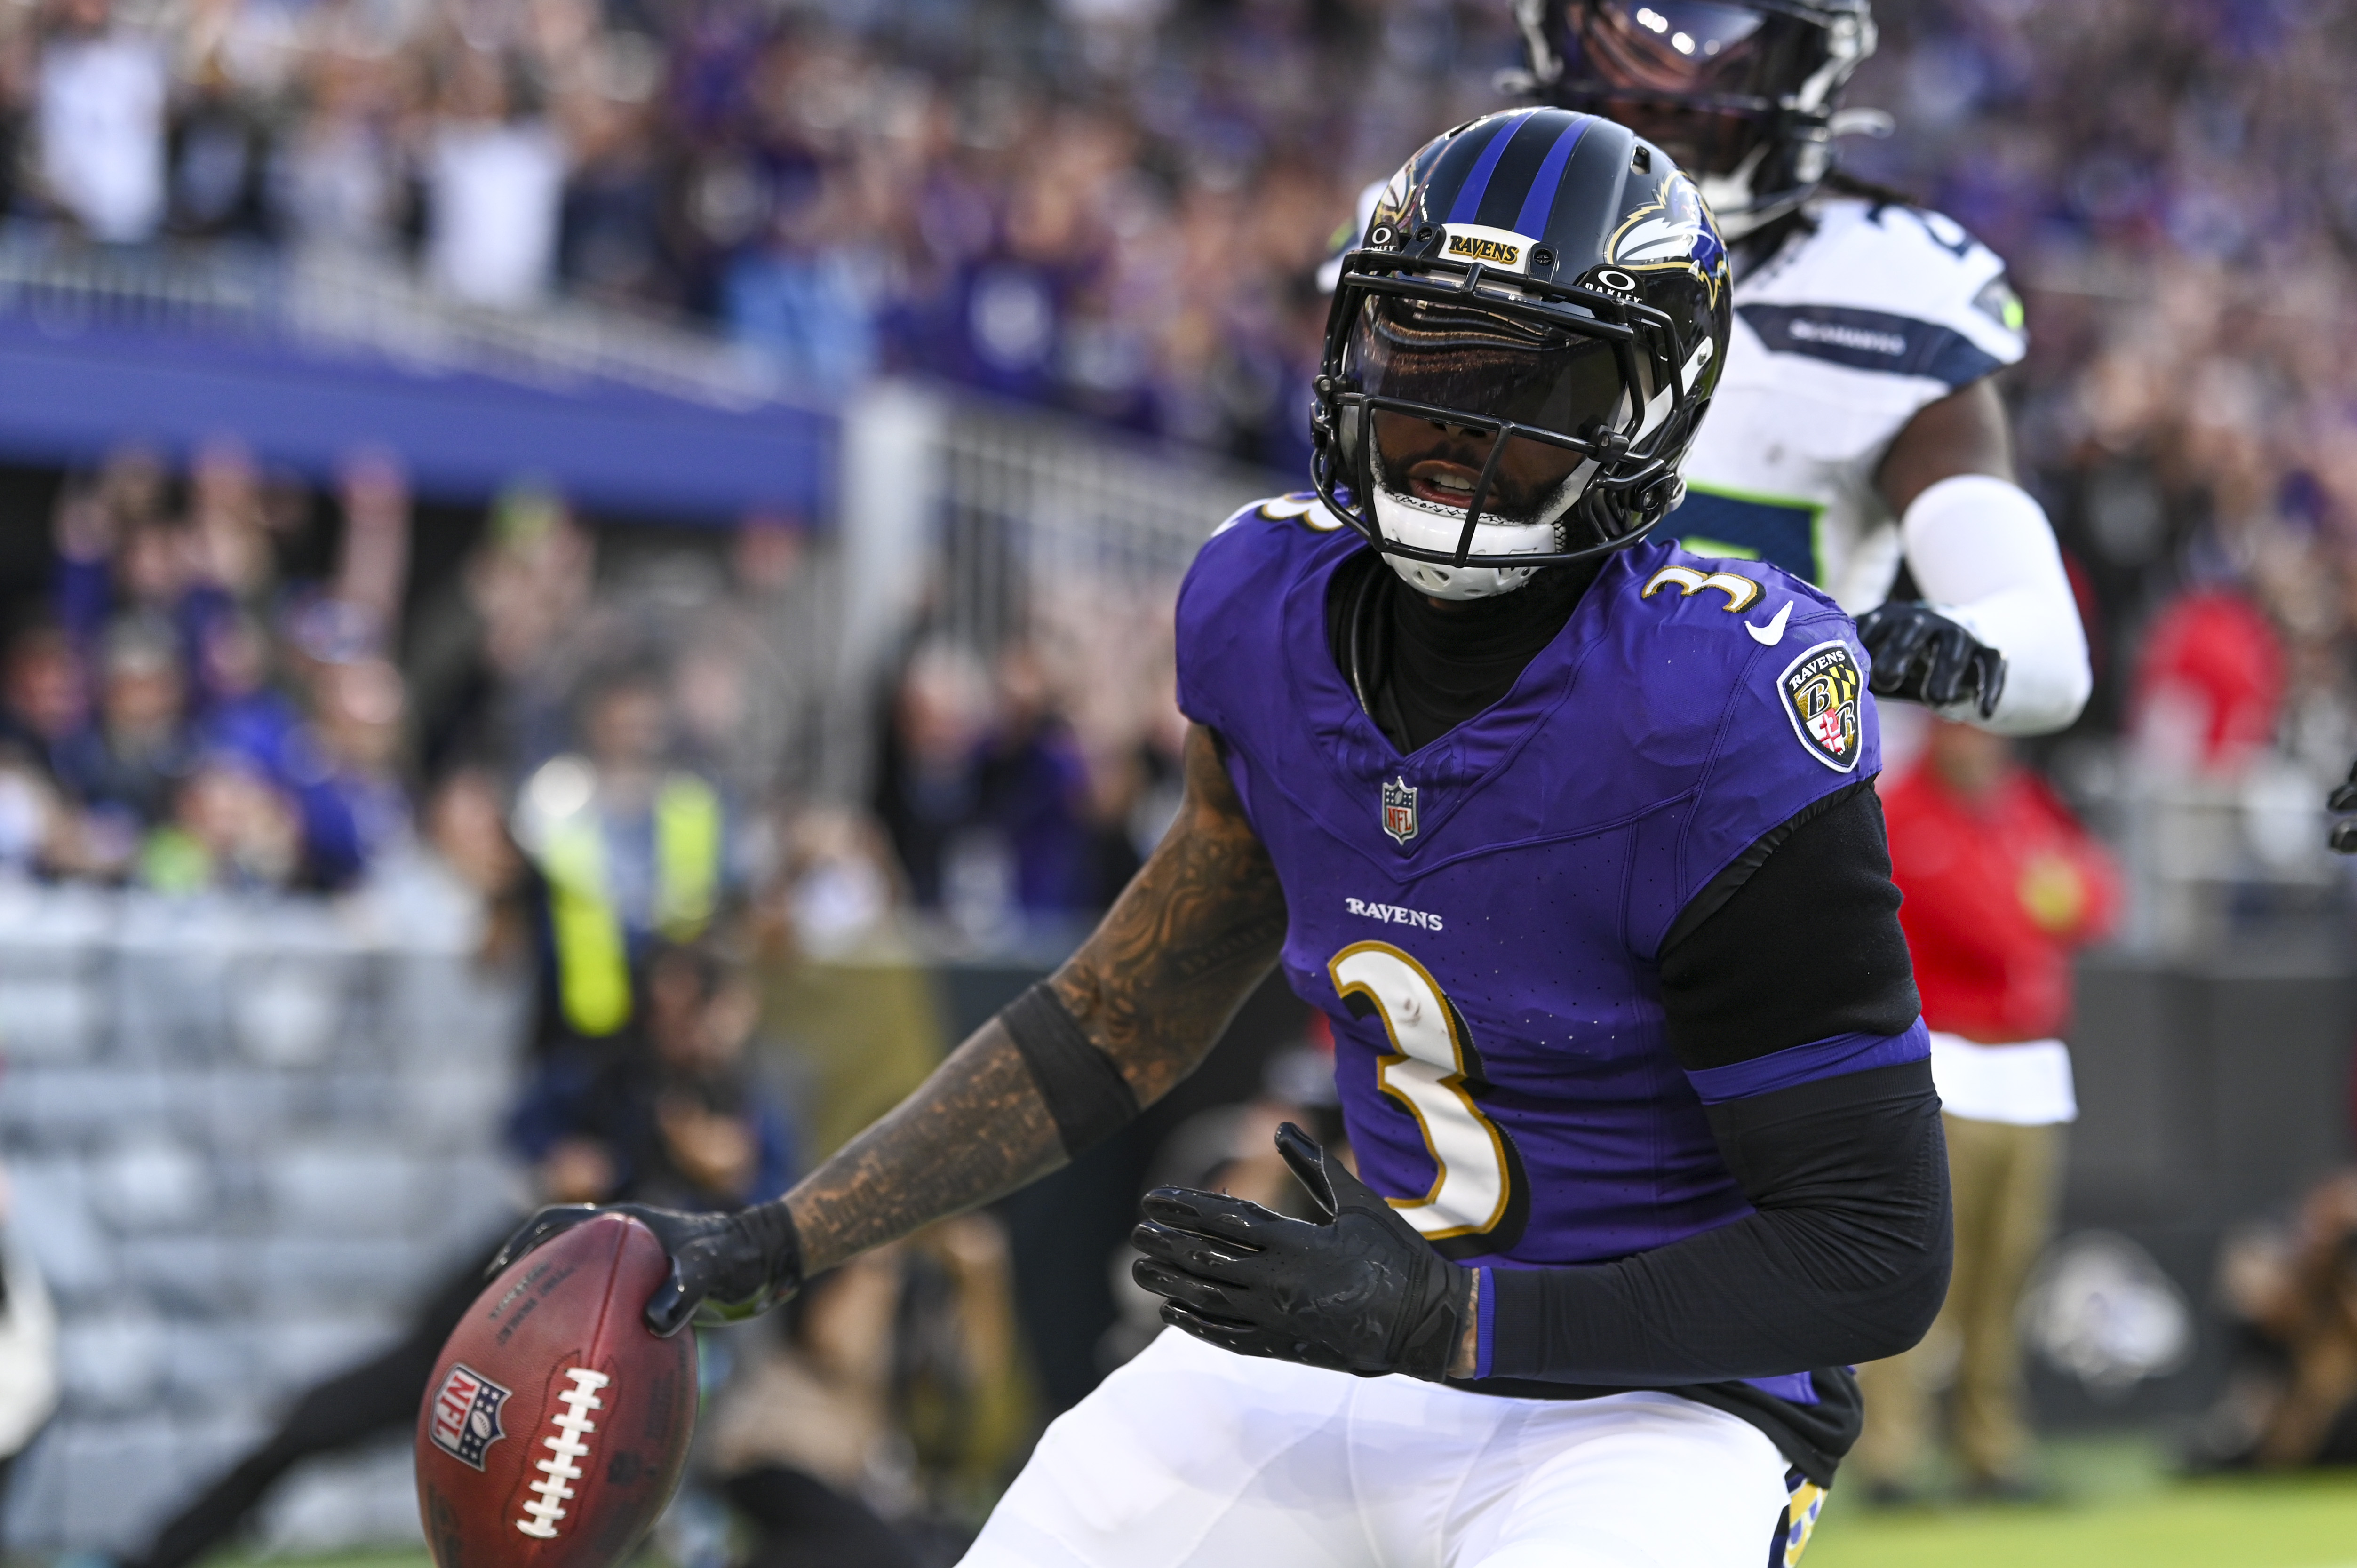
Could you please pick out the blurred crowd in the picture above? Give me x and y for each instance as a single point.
(1116, 207)
(1112, 206)
(176, 713)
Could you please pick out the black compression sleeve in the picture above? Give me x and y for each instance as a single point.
(1847, 1259)
(1798, 941)
(1086, 1095)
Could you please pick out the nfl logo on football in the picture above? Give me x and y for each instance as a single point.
(466, 1415)
(1399, 810)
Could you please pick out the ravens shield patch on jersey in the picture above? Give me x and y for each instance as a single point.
(1820, 690)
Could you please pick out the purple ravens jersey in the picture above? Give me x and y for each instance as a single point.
(1480, 920)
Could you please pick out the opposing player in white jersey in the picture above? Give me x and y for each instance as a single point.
(1855, 424)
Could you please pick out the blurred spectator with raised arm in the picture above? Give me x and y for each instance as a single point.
(485, 663)
(118, 553)
(230, 526)
(373, 568)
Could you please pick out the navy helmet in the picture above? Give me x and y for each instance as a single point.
(1746, 92)
(1519, 351)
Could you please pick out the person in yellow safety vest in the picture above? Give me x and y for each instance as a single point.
(632, 849)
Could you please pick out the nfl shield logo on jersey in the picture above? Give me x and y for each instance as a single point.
(465, 1419)
(1399, 810)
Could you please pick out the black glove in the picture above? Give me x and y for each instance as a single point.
(724, 1267)
(2344, 799)
(1922, 655)
(1362, 1293)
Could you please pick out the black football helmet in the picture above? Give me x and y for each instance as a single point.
(1745, 91)
(1519, 351)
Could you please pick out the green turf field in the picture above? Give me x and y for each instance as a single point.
(2115, 1505)
(2116, 1508)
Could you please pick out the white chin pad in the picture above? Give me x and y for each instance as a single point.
(1406, 521)
(1460, 582)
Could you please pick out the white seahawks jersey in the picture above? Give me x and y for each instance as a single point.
(1839, 338)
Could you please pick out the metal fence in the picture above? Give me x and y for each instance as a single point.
(984, 525)
(244, 1137)
(1031, 509)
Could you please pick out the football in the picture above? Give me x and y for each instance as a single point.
(556, 1426)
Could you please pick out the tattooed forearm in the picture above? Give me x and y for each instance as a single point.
(1154, 988)
(977, 1128)
(1190, 937)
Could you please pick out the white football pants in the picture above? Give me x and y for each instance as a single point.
(1192, 1457)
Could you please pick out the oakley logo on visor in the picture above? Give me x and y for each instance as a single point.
(1498, 249)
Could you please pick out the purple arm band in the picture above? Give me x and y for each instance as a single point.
(1806, 1064)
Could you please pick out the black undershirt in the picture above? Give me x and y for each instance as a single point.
(1845, 1257)
(1425, 667)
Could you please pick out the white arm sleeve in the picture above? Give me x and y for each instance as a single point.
(1985, 556)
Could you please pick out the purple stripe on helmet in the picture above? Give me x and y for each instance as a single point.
(1539, 205)
(1477, 184)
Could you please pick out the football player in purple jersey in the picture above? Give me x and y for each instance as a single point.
(1571, 834)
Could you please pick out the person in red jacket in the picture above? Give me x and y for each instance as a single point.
(2001, 885)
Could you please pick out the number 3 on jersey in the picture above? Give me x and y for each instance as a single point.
(1478, 1198)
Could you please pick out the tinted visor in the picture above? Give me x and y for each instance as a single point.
(1697, 76)
(1488, 366)
(1693, 48)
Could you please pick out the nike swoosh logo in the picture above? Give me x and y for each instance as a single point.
(1771, 634)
